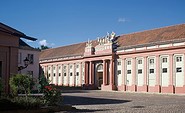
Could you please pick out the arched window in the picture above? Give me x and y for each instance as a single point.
(100, 67)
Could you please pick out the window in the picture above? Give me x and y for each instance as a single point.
(49, 75)
(151, 71)
(59, 67)
(119, 72)
(129, 62)
(164, 60)
(64, 74)
(100, 67)
(30, 58)
(53, 67)
(151, 61)
(77, 66)
(71, 74)
(178, 69)
(54, 74)
(71, 66)
(119, 63)
(49, 68)
(139, 61)
(77, 73)
(164, 70)
(178, 59)
(128, 71)
(64, 67)
(139, 71)
(59, 74)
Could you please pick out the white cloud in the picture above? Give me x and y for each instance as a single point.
(43, 42)
(122, 20)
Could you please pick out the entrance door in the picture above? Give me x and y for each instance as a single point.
(99, 79)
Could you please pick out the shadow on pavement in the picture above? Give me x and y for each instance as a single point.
(78, 100)
(84, 110)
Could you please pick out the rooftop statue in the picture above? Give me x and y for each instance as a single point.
(89, 43)
(107, 39)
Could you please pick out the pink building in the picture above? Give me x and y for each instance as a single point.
(147, 61)
(9, 48)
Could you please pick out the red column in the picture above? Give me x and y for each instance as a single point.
(80, 73)
(61, 75)
(123, 74)
(134, 73)
(67, 74)
(145, 74)
(111, 72)
(86, 73)
(104, 72)
(90, 72)
(145, 71)
(106, 75)
(74, 75)
(158, 73)
(56, 74)
(51, 74)
(171, 73)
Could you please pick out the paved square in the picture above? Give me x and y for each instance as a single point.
(121, 102)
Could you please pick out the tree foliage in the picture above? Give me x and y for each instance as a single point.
(21, 83)
(43, 47)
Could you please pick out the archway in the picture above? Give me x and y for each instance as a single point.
(99, 76)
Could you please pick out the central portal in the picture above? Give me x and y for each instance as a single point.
(99, 76)
(99, 79)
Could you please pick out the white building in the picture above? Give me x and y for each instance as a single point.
(33, 56)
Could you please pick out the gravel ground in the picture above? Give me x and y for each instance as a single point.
(123, 102)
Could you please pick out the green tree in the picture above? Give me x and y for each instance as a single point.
(43, 47)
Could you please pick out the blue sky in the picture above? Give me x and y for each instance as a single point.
(64, 22)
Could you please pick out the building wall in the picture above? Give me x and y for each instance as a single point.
(33, 68)
(65, 73)
(155, 69)
(162, 70)
(8, 57)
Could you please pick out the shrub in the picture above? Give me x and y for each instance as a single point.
(43, 81)
(52, 95)
(21, 83)
(31, 102)
(20, 103)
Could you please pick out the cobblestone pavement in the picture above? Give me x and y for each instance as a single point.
(123, 102)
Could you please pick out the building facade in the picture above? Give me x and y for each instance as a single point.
(9, 44)
(148, 61)
(32, 54)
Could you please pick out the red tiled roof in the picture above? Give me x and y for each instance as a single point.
(69, 50)
(151, 36)
(144, 37)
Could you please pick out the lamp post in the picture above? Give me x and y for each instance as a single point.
(26, 63)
